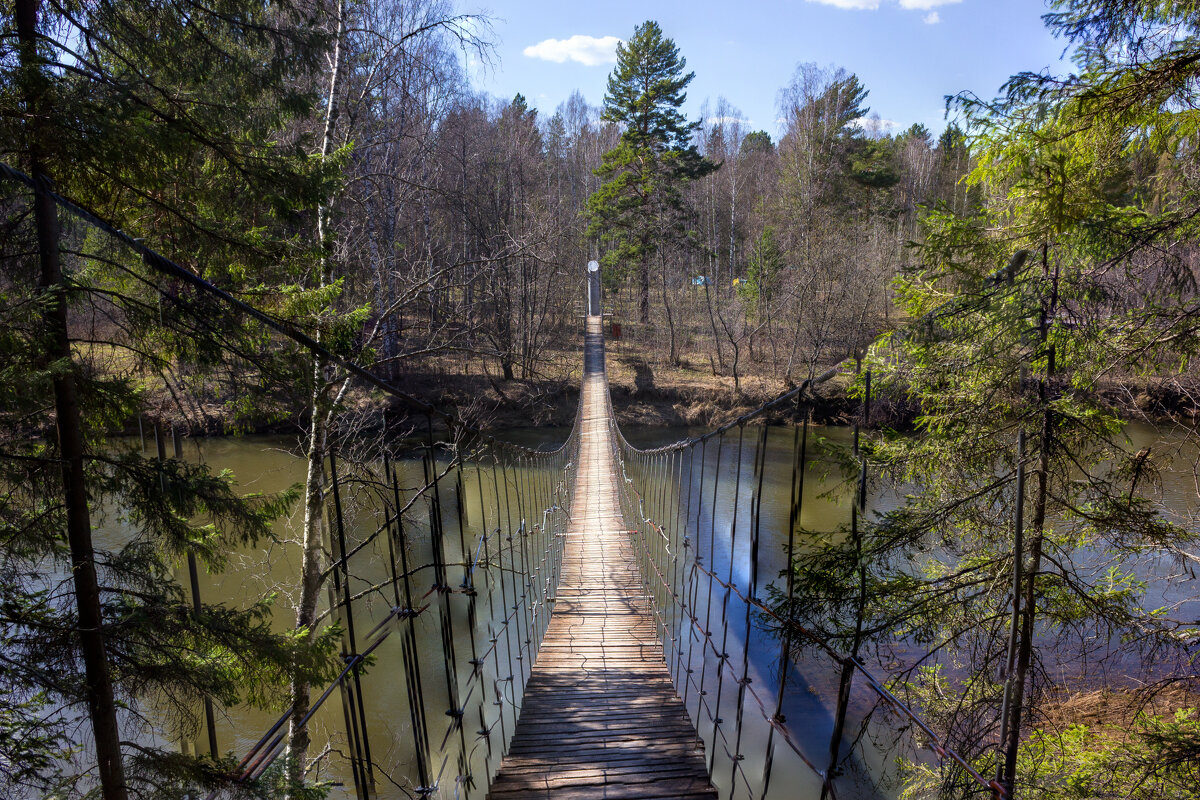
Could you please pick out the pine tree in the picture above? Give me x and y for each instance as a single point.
(762, 271)
(640, 206)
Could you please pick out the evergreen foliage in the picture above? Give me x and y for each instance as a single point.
(640, 207)
(170, 120)
(327, 162)
(1021, 310)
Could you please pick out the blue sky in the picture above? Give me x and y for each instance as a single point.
(908, 53)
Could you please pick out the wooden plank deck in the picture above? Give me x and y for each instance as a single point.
(600, 717)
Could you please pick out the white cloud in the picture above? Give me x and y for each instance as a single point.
(925, 5)
(932, 18)
(871, 5)
(587, 50)
(858, 5)
(726, 120)
(863, 123)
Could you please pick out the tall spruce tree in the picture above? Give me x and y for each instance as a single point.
(640, 207)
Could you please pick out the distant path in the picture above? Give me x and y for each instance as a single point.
(600, 717)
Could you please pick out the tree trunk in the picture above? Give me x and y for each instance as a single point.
(712, 321)
(644, 293)
(1028, 614)
(737, 380)
(430, 269)
(314, 491)
(674, 355)
(311, 567)
(101, 703)
(1034, 565)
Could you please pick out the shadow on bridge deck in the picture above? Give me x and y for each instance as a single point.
(600, 717)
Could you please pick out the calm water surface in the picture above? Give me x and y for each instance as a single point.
(270, 465)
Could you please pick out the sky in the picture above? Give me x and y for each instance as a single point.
(909, 54)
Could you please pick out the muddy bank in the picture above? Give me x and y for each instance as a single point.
(521, 404)
(642, 396)
(711, 401)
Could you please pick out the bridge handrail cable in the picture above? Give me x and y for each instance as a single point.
(653, 463)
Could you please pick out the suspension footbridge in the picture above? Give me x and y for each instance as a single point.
(586, 621)
(600, 717)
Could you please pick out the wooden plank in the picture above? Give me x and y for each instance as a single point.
(634, 773)
(630, 770)
(664, 788)
(600, 717)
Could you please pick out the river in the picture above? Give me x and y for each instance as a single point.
(270, 465)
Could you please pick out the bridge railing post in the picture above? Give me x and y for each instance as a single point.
(507, 578)
(678, 607)
(468, 589)
(488, 534)
(711, 573)
(408, 646)
(722, 655)
(520, 607)
(437, 536)
(352, 702)
(751, 595)
(694, 585)
(688, 555)
(795, 515)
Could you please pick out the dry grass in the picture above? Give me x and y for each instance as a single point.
(1113, 711)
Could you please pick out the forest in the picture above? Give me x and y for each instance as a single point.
(1019, 286)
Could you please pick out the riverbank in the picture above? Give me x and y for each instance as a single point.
(656, 396)
(644, 394)
(1116, 710)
